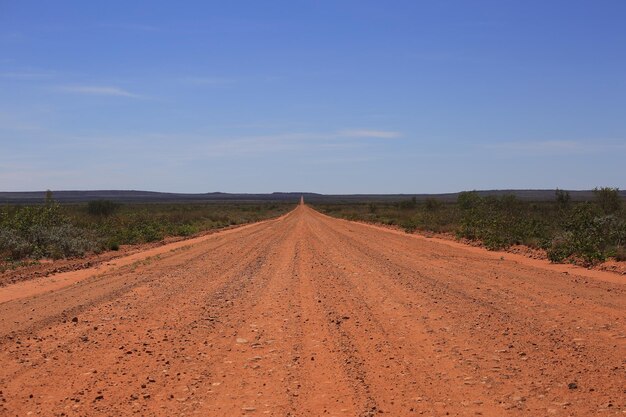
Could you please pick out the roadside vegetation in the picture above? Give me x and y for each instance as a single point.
(582, 232)
(54, 231)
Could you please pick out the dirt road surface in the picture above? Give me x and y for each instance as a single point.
(306, 315)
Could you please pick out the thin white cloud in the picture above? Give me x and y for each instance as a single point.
(97, 154)
(97, 90)
(340, 139)
(198, 145)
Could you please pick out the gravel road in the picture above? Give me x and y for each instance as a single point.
(306, 315)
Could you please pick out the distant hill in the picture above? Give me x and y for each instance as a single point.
(33, 197)
(140, 196)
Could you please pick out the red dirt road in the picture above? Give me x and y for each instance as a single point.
(312, 316)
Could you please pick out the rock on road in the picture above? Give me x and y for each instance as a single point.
(307, 315)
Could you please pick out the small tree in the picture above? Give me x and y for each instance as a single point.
(608, 199)
(563, 199)
(49, 198)
(432, 204)
(468, 200)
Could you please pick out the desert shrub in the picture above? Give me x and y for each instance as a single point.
(389, 221)
(186, 230)
(53, 230)
(22, 218)
(42, 232)
(499, 222)
(432, 204)
(563, 199)
(588, 234)
(444, 218)
(565, 229)
(138, 229)
(408, 204)
(467, 200)
(608, 199)
(151, 233)
(409, 225)
(63, 241)
(102, 207)
(13, 245)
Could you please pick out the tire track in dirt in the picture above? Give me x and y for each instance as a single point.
(117, 313)
(329, 389)
(103, 286)
(521, 337)
(391, 349)
(254, 372)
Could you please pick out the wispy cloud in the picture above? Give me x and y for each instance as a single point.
(120, 153)
(197, 146)
(97, 90)
(321, 140)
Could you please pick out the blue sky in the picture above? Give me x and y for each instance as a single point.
(325, 96)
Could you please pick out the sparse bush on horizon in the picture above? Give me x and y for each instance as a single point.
(563, 199)
(102, 207)
(42, 232)
(590, 235)
(55, 231)
(608, 199)
(587, 232)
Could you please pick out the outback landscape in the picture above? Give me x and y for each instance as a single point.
(299, 313)
(313, 208)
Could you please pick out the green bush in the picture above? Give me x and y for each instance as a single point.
(608, 199)
(432, 204)
(42, 232)
(409, 225)
(408, 204)
(102, 207)
(467, 200)
(563, 199)
(13, 245)
(499, 222)
(50, 230)
(186, 230)
(588, 234)
(565, 229)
